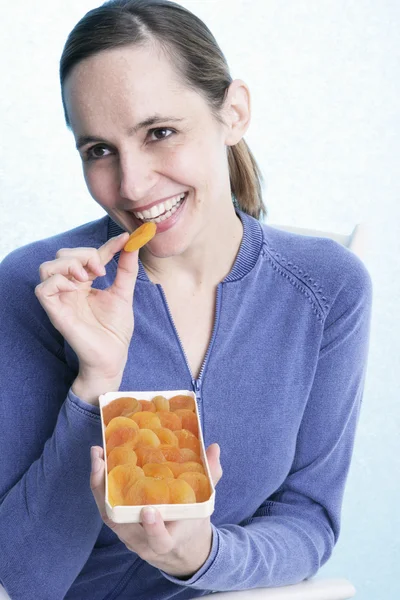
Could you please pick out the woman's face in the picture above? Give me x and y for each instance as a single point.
(131, 166)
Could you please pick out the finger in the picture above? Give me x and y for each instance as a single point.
(67, 266)
(88, 258)
(53, 286)
(97, 485)
(213, 454)
(158, 537)
(125, 279)
(94, 259)
(111, 247)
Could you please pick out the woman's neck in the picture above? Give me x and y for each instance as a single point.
(205, 264)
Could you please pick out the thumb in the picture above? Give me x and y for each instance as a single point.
(97, 484)
(127, 270)
(97, 477)
(213, 453)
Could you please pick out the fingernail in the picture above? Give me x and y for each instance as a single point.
(218, 451)
(149, 516)
(96, 464)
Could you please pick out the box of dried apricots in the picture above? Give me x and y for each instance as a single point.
(155, 455)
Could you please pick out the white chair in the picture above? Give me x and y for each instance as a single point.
(3, 594)
(356, 241)
(312, 589)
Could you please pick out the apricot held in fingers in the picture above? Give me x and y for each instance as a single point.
(140, 236)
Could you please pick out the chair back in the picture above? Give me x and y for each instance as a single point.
(356, 241)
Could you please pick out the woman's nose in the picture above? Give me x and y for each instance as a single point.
(137, 176)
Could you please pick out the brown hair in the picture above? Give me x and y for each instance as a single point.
(190, 45)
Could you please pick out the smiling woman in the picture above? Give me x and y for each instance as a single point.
(269, 329)
(128, 169)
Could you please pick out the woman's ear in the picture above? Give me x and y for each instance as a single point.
(237, 112)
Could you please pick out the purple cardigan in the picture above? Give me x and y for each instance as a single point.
(280, 390)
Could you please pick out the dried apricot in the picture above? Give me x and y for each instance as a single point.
(180, 492)
(146, 420)
(190, 455)
(119, 479)
(171, 453)
(166, 436)
(189, 420)
(149, 454)
(169, 419)
(119, 407)
(187, 467)
(187, 439)
(122, 436)
(140, 236)
(148, 405)
(153, 451)
(179, 468)
(161, 403)
(200, 484)
(117, 423)
(174, 467)
(145, 437)
(121, 455)
(158, 471)
(181, 401)
(147, 490)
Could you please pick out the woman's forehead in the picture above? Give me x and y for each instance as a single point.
(126, 80)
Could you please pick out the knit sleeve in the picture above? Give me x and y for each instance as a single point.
(49, 521)
(293, 532)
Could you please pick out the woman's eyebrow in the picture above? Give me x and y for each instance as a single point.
(154, 120)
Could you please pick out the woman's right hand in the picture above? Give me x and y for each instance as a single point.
(98, 324)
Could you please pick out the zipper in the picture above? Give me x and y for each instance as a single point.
(196, 383)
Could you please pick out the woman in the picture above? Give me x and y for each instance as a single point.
(269, 328)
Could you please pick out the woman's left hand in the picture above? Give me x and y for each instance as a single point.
(178, 548)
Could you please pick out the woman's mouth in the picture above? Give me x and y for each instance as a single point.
(169, 208)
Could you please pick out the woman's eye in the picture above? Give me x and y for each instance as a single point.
(160, 130)
(101, 151)
(97, 152)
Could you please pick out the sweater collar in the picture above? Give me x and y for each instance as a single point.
(246, 258)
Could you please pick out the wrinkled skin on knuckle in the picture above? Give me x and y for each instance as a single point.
(38, 290)
(75, 263)
(43, 270)
(60, 253)
(94, 261)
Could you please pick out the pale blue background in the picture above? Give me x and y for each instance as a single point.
(324, 77)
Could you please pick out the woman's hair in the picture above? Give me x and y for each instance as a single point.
(191, 47)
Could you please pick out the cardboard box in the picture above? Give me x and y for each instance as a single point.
(169, 512)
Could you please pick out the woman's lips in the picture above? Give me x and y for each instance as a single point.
(170, 221)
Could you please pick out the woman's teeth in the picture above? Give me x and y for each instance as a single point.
(162, 211)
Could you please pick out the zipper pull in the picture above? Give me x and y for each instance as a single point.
(196, 388)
